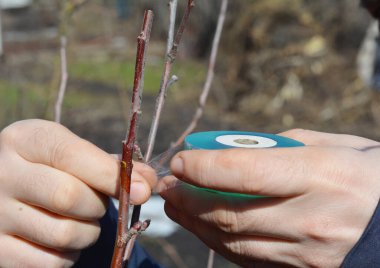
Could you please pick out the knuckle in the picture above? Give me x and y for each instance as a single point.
(32, 129)
(94, 237)
(318, 228)
(227, 221)
(100, 210)
(60, 152)
(224, 159)
(337, 166)
(235, 250)
(234, 247)
(66, 197)
(64, 235)
(9, 134)
(297, 133)
(67, 237)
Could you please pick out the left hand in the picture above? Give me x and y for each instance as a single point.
(320, 199)
(54, 188)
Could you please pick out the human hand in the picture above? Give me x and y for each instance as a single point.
(53, 190)
(320, 199)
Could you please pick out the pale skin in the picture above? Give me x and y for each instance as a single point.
(320, 199)
(54, 188)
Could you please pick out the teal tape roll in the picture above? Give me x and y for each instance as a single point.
(218, 140)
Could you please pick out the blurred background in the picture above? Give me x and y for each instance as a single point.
(282, 64)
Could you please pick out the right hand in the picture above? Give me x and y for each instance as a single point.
(53, 190)
(320, 199)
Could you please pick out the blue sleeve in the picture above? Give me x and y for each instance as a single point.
(100, 254)
(366, 252)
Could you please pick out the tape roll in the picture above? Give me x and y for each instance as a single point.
(218, 140)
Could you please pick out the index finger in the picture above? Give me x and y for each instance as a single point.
(277, 172)
(52, 144)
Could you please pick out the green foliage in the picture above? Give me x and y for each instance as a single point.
(21, 101)
(120, 73)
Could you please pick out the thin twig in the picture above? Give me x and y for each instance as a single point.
(137, 229)
(205, 92)
(211, 258)
(172, 252)
(1, 38)
(173, 13)
(165, 83)
(67, 9)
(126, 165)
(138, 153)
(210, 75)
(170, 58)
(64, 78)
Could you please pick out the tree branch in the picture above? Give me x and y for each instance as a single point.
(205, 92)
(173, 14)
(126, 165)
(64, 78)
(210, 75)
(211, 258)
(165, 83)
(170, 58)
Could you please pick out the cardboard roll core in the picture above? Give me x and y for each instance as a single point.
(246, 141)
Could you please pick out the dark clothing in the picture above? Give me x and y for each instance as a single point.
(366, 253)
(373, 7)
(100, 255)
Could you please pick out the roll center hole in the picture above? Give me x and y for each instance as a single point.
(246, 141)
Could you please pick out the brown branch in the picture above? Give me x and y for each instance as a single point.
(64, 78)
(126, 165)
(137, 229)
(210, 75)
(165, 84)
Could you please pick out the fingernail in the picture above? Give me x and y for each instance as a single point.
(161, 187)
(166, 184)
(177, 166)
(138, 192)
